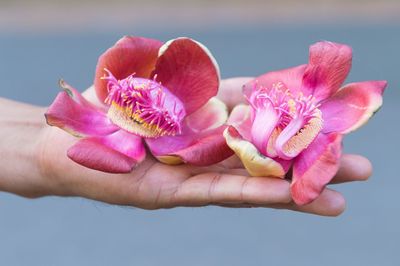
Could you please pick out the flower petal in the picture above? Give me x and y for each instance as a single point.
(116, 153)
(265, 121)
(128, 56)
(211, 115)
(72, 113)
(202, 149)
(290, 77)
(189, 71)
(74, 94)
(240, 119)
(352, 106)
(315, 167)
(255, 163)
(328, 67)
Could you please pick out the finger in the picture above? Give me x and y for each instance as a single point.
(219, 188)
(329, 203)
(230, 91)
(353, 168)
(237, 171)
(232, 162)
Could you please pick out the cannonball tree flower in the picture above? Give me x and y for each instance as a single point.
(160, 93)
(296, 118)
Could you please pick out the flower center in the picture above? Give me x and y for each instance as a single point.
(283, 124)
(143, 106)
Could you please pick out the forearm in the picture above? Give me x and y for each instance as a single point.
(21, 130)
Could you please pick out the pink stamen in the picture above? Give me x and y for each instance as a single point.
(296, 118)
(147, 102)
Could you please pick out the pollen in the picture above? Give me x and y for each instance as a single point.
(143, 107)
(303, 138)
(299, 119)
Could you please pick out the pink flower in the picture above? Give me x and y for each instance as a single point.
(161, 93)
(297, 117)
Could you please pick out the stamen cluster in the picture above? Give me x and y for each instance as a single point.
(298, 119)
(145, 102)
(286, 105)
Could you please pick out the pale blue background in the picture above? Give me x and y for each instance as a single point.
(74, 231)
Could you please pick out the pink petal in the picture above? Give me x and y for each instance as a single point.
(72, 113)
(254, 162)
(290, 77)
(189, 71)
(77, 96)
(352, 106)
(74, 94)
(211, 115)
(240, 119)
(129, 55)
(315, 167)
(328, 67)
(197, 148)
(116, 153)
(126, 143)
(265, 121)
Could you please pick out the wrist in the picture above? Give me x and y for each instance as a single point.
(56, 171)
(21, 129)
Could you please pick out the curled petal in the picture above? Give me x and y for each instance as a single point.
(130, 55)
(74, 94)
(315, 167)
(202, 149)
(255, 163)
(290, 77)
(240, 119)
(126, 143)
(119, 152)
(352, 106)
(328, 67)
(189, 71)
(211, 115)
(72, 113)
(265, 121)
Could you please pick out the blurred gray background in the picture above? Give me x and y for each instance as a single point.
(41, 41)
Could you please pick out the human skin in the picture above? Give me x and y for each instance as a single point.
(33, 164)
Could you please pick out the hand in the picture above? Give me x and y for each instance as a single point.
(153, 185)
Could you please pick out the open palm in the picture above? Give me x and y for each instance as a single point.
(153, 185)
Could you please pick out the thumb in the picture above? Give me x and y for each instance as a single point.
(230, 91)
